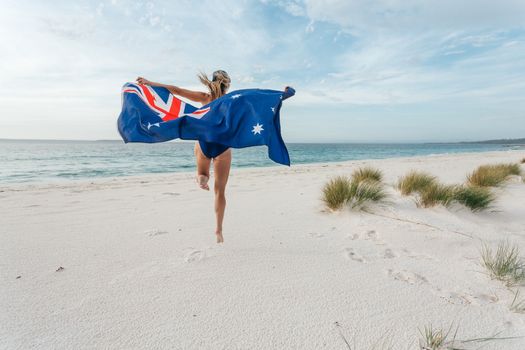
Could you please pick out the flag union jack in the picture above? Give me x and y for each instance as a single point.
(167, 107)
(242, 118)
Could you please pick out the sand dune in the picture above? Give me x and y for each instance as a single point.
(132, 263)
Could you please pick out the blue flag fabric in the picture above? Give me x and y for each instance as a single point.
(242, 118)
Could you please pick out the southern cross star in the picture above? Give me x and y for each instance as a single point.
(236, 96)
(257, 129)
(155, 124)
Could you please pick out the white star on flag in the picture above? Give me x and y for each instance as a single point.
(273, 109)
(257, 129)
(236, 96)
(154, 124)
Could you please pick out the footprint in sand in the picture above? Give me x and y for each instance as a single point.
(407, 276)
(351, 254)
(172, 193)
(413, 255)
(456, 298)
(194, 255)
(466, 298)
(353, 237)
(315, 235)
(389, 254)
(372, 236)
(155, 232)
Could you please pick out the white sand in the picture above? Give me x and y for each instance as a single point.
(142, 269)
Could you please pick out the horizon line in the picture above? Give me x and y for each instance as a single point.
(519, 140)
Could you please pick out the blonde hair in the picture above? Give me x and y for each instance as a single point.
(218, 85)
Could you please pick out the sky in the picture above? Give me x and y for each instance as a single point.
(364, 71)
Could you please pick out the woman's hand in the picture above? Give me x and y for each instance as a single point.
(288, 92)
(143, 81)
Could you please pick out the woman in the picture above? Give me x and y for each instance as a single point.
(217, 87)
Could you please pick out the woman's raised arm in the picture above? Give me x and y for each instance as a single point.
(197, 96)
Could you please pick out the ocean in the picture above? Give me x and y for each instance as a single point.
(39, 160)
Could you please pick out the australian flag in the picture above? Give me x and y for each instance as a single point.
(242, 118)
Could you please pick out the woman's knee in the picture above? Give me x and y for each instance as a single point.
(220, 191)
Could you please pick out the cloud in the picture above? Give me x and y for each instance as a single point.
(293, 7)
(402, 52)
(80, 44)
(72, 57)
(414, 15)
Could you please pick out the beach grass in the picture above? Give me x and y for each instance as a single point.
(523, 161)
(505, 264)
(414, 181)
(362, 187)
(493, 175)
(436, 193)
(366, 191)
(367, 173)
(431, 192)
(518, 304)
(474, 197)
(366, 186)
(336, 192)
(436, 339)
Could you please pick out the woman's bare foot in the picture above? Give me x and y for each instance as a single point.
(219, 237)
(202, 180)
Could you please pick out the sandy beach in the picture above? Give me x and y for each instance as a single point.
(132, 263)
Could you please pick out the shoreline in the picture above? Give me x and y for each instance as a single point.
(103, 179)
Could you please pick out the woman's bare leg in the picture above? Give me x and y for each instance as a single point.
(203, 168)
(221, 172)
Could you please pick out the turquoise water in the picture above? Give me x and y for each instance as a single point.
(35, 160)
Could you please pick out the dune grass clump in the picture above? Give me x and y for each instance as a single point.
(430, 192)
(367, 173)
(415, 181)
(512, 169)
(364, 186)
(436, 339)
(492, 175)
(435, 194)
(523, 161)
(366, 191)
(336, 192)
(474, 197)
(505, 264)
(439, 339)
